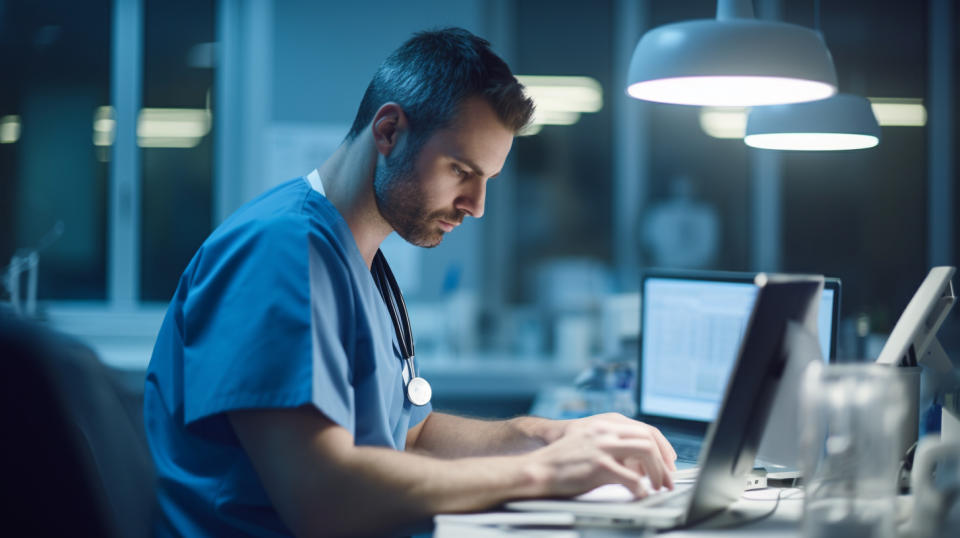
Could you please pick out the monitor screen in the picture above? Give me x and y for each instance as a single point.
(691, 334)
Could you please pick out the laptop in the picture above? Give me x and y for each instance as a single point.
(783, 314)
(691, 326)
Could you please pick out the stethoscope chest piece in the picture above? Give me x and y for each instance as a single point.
(419, 391)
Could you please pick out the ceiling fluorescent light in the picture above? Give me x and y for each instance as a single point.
(172, 127)
(724, 122)
(531, 129)
(734, 60)
(560, 100)
(554, 117)
(104, 126)
(182, 142)
(156, 127)
(570, 94)
(9, 129)
(899, 112)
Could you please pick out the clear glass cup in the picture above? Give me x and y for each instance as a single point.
(851, 421)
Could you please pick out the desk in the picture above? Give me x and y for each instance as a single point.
(747, 517)
(784, 521)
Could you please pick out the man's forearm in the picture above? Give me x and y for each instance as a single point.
(450, 436)
(322, 483)
(403, 487)
(379, 490)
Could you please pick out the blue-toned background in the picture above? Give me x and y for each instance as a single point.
(140, 124)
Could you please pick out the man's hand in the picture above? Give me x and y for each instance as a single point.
(610, 448)
(628, 427)
(566, 457)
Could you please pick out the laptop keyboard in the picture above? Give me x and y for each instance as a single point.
(687, 452)
(687, 449)
(677, 497)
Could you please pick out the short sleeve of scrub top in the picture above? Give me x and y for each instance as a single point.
(253, 340)
(273, 317)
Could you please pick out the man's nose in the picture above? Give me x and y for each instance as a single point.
(472, 199)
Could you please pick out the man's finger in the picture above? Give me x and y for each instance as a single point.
(647, 455)
(620, 474)
(665, 448)
(639, 430)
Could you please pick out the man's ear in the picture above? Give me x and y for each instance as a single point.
(389, 121)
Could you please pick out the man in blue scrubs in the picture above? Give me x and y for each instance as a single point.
(275, 400)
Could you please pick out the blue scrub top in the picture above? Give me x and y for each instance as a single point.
(276, 309)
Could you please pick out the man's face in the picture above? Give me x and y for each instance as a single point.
(426, 195)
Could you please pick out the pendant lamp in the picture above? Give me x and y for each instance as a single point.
(841, 122)
(735, 60)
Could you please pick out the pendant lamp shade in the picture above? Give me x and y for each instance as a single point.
(841, 122)
(734, 60)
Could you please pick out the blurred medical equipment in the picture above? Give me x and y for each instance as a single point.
(850, 415)
(935, 482)
(913, 342)
(681, 231)
(569, 293)
(27, 261)
(913, 347)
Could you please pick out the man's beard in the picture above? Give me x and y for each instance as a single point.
(399, 198)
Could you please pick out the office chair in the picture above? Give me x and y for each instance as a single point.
(74, 453)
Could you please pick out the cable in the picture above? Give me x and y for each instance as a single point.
(906, 467)
(793, 494)
(758, 518)
(737, 524)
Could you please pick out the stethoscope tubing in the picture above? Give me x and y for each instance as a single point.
(418, 391)
(396, 306)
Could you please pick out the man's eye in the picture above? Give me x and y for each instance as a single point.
(459, 171)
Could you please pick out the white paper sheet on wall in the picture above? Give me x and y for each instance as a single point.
(294, 149)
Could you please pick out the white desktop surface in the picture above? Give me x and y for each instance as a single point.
(785, 521)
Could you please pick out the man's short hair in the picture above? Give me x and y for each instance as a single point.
(431, 74)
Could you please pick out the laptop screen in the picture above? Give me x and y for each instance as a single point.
(690, 337)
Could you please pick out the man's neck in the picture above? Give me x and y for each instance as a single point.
(347, 178)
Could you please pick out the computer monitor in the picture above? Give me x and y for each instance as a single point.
(692, 325)
(913, 339)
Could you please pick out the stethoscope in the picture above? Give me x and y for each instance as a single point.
(418, 390)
